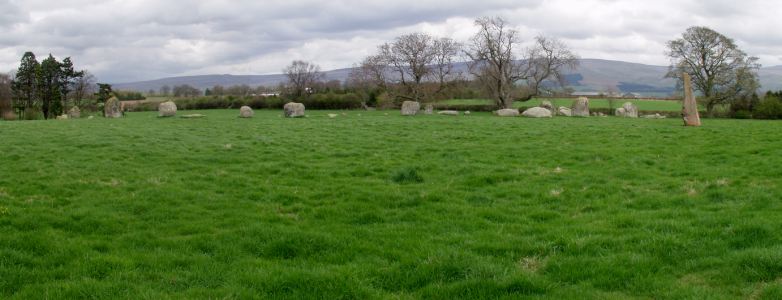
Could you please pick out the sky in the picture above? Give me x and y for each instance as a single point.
(132, 40)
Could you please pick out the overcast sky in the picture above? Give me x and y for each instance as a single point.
(128, 40)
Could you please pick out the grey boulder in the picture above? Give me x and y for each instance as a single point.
(507, 112)
(246, 112)
(293, 110)
(166, 109)
(537, 112)
(410, 108)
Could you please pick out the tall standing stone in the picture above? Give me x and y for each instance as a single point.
(630, 110)
(581, 107)
(410, 108)
(690, 105)
(112, 108)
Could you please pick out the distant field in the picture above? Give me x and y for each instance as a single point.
(651, 105)
(373, 205)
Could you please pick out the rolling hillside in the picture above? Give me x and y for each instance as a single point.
(593, 75)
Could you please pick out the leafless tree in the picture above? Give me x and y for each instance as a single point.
(493, 61)
(370, 74)
(416, 60)
(719, 69)
(496, 65)
(83, 88)
(218, 90)
(414, 67)
(547, 60)
(241, 90)
(302, 76)
(186, 90)
(445, 52)
(165, 90)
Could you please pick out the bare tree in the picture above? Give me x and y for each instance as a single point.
(415, 62)
(302, 76)
(719, 69)
(496, 65)
(218, 90)
(547, 60)
(83, 88)
(370, 74)
(241, 90)
(165, 90)
(446, 50)
(186, 90)
(493, 60)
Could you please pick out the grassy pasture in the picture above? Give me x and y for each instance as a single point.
(643, 104)
(370, 205)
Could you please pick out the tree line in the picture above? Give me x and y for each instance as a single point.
(49, 87)
(421, 67)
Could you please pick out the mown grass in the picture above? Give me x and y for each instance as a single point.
(643, 104)
(369, 205)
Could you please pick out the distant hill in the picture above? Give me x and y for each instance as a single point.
(593, 75)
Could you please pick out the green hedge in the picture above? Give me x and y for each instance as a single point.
(317, 101)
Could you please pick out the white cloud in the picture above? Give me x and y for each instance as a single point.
(144, 39)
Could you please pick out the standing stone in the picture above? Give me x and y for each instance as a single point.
(564, 111)
(246, 112)
(166, 109)
(630, 110)
(112, 108)
(429, 109)
(620, 112)
(293, 110)
(74, 113)
(537, 112)
(508, 112)
(581, 107)
(690, 105)
(547, 105)
(410, 108)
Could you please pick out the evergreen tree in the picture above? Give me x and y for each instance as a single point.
(104, 92)
(49, 87)
(68, 79)
(25, 83)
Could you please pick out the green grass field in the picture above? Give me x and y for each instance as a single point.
(369, 205)
(648, 105)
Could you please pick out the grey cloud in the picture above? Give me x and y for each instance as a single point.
(10, 14)
(134, 40)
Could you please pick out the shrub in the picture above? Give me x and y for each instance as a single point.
(317, 101)
(769, 108)
(742, 114)
(333, 101)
